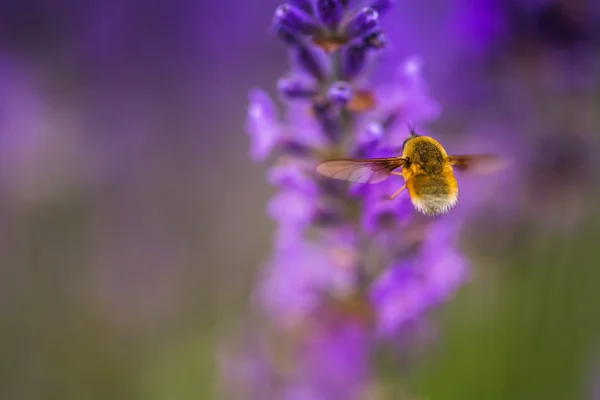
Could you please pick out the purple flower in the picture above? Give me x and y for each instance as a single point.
(355, 56)
(375, 40)
(297, 87)
(293, 176)
(309, 60)
(330, 12)
(446, 268)
(349, 266)
(295, 210)
(262, 125)
(295, 206)
(379, 211)
(403, 292)
(369, 138)
(363, 22)
(398, 297)
(294, 20)
(304, 128)
(297, 276)
(333, 363)
(407, 100)
(340, 92)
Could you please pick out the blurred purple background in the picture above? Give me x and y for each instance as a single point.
(132, 219)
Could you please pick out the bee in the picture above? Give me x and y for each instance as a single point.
(427, 169)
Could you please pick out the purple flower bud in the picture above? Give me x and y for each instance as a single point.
(330, 12)
(298, 273)
(380, 213)
(288, 38)
(406, 290)
(336, 353)
(293, 210)
(340, 92)
(399, 297)
(354, 59)
(296, 87)
(381, 6)
(295, 20)
(294, 147)
(306, 58)
(365, 21)
(262, 125)
(326, 116)
(374, 132)
(375, 40)
(369, 138)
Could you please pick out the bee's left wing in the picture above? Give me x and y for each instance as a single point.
(368, 170)
(477, 163)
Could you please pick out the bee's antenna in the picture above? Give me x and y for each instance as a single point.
(411, 128)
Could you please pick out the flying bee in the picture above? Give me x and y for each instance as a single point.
(427, 169)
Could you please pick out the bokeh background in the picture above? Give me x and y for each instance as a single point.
(132, 219)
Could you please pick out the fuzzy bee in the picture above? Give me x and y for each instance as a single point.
(427, 169)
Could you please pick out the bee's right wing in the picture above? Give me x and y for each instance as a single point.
(477, 163)
(368, 170)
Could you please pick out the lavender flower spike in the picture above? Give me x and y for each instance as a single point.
(328, 304)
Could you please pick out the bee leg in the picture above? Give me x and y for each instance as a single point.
(392, 197)
(396, 173)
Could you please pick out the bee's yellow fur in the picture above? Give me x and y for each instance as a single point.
(429, 176)
(427, 169)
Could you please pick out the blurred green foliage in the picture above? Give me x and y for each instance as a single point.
(529, 330)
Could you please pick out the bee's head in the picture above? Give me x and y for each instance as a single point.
(411, 135)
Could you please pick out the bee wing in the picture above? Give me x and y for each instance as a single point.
(477, 163)
(369, 170)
